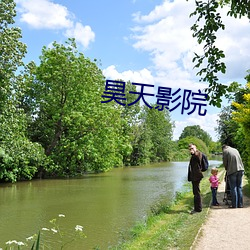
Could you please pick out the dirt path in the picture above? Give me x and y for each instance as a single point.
(225, 228)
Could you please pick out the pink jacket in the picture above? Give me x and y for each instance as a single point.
(214, 181)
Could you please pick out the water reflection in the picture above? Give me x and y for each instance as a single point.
(105, 204)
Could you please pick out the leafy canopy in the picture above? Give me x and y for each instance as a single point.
(205, 28)
(196, 131)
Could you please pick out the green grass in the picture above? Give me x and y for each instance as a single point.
(170, 226)
(246, 188)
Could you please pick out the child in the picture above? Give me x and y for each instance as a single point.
(214, 185)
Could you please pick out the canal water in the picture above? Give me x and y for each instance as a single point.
(106, 204)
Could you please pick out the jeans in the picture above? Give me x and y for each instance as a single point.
(197, 196)
(235, 182)
(214, 196)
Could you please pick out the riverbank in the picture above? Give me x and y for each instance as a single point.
(172, 227)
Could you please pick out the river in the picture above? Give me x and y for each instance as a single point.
(104, 204)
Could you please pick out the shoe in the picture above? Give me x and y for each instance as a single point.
(231, 207)
(194, 212)
(217, 204)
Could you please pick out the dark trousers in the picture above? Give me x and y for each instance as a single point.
(235, 182)
(197, 196)
(214, 196)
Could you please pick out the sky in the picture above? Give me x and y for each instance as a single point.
(142, 41)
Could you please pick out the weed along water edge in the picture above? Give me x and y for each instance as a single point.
(104, 205)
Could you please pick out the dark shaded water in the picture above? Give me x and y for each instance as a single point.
(104, 204)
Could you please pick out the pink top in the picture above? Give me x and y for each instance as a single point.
(214, 181)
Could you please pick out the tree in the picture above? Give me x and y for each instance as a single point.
(215, 148)
(208, 23)
(242, 116)
(160, 131)
(20, 158)
(12, 50)
(141, 145)
(196, 131)
(78, 132)
(184, 142)
(227, 127)
(130, 120)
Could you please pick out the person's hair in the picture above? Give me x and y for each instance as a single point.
(224, 146)
(191, 144)
(214, 170)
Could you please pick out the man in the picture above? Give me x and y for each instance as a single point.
(235, 170)
(195, 175)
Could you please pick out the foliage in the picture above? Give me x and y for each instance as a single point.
(227, 127)
(207, 24)
(141, 145)
(242, 116)
(78, 132)
(160, 129)
(215, 147)
(178, 154)
(196, 131)
(201, 146)
(153, 137)
(12, 50)
(233, 127)
(130, 124)
(20, 158)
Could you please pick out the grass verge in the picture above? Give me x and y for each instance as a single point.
(170, 226)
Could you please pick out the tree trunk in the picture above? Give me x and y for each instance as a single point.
(56, 139)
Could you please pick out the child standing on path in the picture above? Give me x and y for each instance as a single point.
(214, 186)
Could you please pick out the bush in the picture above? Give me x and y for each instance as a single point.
(20, 160)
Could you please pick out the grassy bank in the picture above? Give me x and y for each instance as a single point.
(170, 227)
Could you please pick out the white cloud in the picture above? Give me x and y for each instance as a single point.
(234, 41)
(141, 76)
(83, 34)
(159, 12)
(165, 33)
(44, 14)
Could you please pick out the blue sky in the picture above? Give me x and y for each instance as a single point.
(145, 41)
